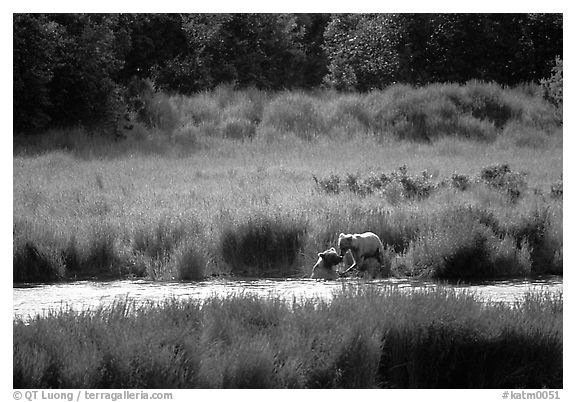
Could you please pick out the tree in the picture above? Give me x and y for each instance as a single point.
(370, 51)
(84, 88)
(262, 50)
(362, 51)
(506, 48)
(37, 41)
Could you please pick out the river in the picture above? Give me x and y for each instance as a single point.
(32, 299)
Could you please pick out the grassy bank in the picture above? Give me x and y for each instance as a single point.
(254, 183)
(366, 337)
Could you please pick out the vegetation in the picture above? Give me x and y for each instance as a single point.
(192, 193)
(72, 69)
(183, 146)
(365, 337)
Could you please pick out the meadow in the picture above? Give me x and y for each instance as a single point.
(366, 337)
(459, 182)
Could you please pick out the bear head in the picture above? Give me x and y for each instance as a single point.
(326, 261)
(346, 242)
(330, 257)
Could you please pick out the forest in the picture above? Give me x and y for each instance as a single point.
(90, 70)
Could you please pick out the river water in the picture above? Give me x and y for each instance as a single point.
(32, 299)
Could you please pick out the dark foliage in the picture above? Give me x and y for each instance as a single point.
(74, 69)
(263, 245)
(413, 187)
(501, 177)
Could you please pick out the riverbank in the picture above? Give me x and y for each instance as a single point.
(364, 337)
(459, 182)
(31, 300)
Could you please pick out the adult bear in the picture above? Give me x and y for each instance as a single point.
(323, 269)
(361, 246)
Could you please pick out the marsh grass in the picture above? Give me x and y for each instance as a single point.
(256, 183)
(476, 111)
(365, 337)
(263, 244)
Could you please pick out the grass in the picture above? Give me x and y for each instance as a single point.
(255, 183)
(365, 337)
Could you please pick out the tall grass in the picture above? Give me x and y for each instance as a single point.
(182, 125)
(365, 337)
(256, 183)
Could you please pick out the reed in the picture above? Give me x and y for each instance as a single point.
(365, 337)
(202, 181)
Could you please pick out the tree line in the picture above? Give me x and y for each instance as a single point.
(72, 69)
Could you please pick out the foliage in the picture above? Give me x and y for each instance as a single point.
(413, 187)
(76, 69)
(70, 62)
(37, 42)
(263, 245)
(262, 50)
(361, 50)
(553, 86)
(557, 189)
(501, 177)
(201, 181)
(365, 337)
(373, 50)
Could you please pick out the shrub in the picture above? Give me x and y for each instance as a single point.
(412, 187)
(263, 244)
(161, 114)
(330, 185)
(450, 252)
(553, 86)
(502, 178)
(169, 249)
(415, 187)
(349, 112)
(460, 181)
(556, 189)
(366, 337)
(190, 261)
(541, 229)
(34, 263)
(488, 102)
(294, 112)
(238, 129)
(468, 242)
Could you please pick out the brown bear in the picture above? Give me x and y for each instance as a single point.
(362, 246)
(324, 267)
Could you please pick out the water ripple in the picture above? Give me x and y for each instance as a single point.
(32, 299)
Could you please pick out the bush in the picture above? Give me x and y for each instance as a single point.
(190, 261)
(170, 249)
(330, 185)
(238, 129)
(553, 86)
(412, 187)
(541, 229)
(263, 245)
(460, 181)
(296, 113)
(365, 337)
(467, 242)
(502, 178)
(32, 263)
(556, 190)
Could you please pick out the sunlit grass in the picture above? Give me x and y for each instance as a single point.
(365, 337)
(192, 196)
